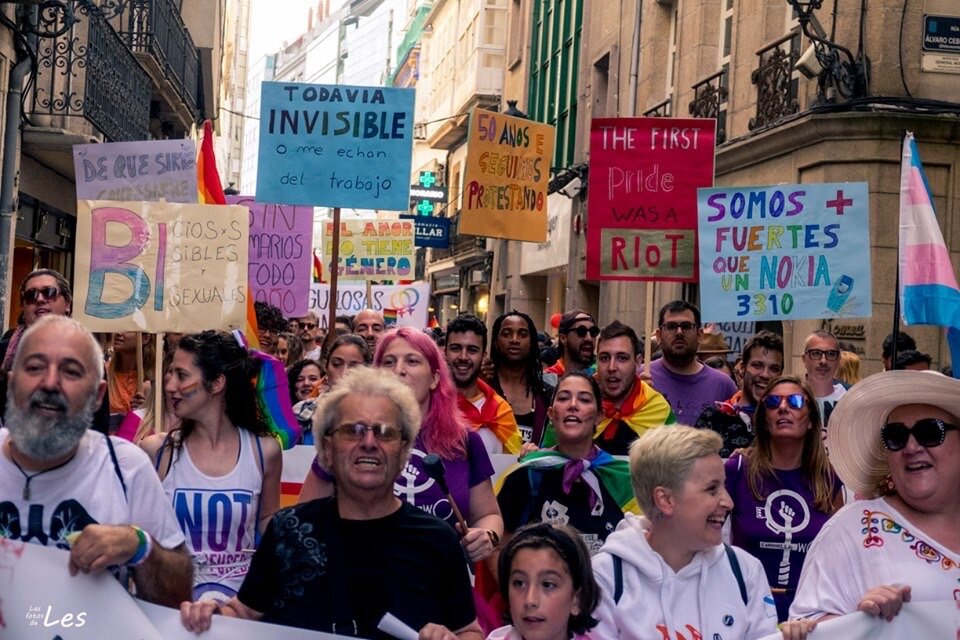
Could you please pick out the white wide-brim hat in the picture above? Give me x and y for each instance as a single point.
(853, 433)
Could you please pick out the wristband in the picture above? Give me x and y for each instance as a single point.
(144, 547)
(494, 538)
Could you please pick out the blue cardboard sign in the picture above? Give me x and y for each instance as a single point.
(430, 232)
(785, 252)
(335, 145)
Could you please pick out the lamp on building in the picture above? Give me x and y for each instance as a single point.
(847, 72)
(231, 190)
(513, 111)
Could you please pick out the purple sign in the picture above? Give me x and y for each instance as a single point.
(281, 254)
(145, 170)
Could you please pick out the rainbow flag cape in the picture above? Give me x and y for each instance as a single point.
(642, 410)
(613, 473)
(496, 415)
(928, 286)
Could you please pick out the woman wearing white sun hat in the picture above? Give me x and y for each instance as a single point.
(894, 441)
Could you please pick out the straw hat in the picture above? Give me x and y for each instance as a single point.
(713, 344)
(853, 435)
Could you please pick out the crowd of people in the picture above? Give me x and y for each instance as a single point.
(696, 495)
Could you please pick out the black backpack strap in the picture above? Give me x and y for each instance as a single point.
(116, 463)
(617, 577)
(738, 574)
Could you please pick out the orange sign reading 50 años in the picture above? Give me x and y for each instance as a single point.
(505, 183)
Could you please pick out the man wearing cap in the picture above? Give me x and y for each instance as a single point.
(678, 374)
(63, 485)
(894, 441)
(762, 361)
(338, 564)
(821, 358)
(577, 336)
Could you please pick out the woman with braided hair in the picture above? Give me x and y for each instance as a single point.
(220, 468)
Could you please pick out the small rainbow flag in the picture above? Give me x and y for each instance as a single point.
(433, 324)
(390, 317)
(317, 268)
(273, 399)
(209, 187)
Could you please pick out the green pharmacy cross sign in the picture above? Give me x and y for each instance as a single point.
(426, 197)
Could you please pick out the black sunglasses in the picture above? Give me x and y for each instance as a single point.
(582, 331)
(307, 325)
(928, 432)
(32, 296)
(794, 401)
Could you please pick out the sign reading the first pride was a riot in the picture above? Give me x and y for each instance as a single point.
(335, 145)
(642, 196)
(152, 267)
(150, 170)
(506, 177)
(785, 252)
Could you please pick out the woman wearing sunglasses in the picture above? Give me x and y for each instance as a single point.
(893, 440)
(782, 486)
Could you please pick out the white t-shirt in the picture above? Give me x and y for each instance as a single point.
(865, 545)
(85, 491)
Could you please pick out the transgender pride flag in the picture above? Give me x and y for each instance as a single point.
(928, 287)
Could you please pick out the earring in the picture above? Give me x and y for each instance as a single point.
(885, 486)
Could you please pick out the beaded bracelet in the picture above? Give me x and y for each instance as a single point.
(144, 547)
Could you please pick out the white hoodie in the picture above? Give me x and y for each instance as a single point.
(702, 600)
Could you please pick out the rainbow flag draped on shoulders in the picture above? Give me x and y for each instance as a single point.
(928, 285)
(613, 473)
(495, 415)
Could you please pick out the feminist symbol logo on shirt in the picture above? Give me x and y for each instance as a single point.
(780, 512)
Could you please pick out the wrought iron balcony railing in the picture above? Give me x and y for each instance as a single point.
(85, 70)
(776, 81)
(155, 28)
(709, 99)
(661, 110)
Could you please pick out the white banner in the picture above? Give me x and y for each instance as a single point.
(919, 620)
(39, 601)
(409, 301)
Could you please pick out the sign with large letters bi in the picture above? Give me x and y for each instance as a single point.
(152, 266)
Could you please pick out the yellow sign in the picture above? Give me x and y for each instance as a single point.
(372, 249)
(507, 172)
(155, 266)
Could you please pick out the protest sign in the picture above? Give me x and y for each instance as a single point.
(642, 197)
(785, 252)
(410, 301)
(372, 249)
(506, 177)
(335, 145)
(153, 267)
(280, 253)
(167, 623)
(150, 170)
(915, 620)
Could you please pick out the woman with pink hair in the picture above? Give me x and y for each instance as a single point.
(415, 359)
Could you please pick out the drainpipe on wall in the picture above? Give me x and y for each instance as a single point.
(634, 63)
(9, 178)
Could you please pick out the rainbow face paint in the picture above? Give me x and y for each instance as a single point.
(190, 390)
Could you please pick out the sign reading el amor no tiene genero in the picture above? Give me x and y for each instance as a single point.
(642, 196)
(506, 177)
(372, 249)
(335, 146)
(152, 267)
(785, 252)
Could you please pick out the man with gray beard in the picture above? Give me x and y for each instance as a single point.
(64, 485)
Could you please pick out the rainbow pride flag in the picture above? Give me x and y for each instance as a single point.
(390, 317)
(928, 285)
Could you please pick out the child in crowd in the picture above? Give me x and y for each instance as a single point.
(547, 582)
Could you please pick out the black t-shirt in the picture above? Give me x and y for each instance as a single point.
(314, 570)
(616, 438)
(551, 504)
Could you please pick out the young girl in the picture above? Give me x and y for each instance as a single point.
(547, 581)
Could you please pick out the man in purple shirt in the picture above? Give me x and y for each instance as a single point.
(686, 383)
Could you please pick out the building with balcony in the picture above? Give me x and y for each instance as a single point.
(105, 72)
(788, 111)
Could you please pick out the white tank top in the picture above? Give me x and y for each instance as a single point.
(218, 516)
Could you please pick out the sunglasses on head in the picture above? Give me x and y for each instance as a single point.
(928, 432)
(32, 296)
(582, 331)
(355, 431)
(794, 401)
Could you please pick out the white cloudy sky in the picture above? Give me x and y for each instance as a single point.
(270, 26)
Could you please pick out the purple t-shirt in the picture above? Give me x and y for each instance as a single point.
(777, 531)
(416, 487)
(687, 395)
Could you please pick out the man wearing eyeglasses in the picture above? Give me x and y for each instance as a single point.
(577, 336)
(338, 564)
(821, 358)
(685, 382)
(307, 328)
